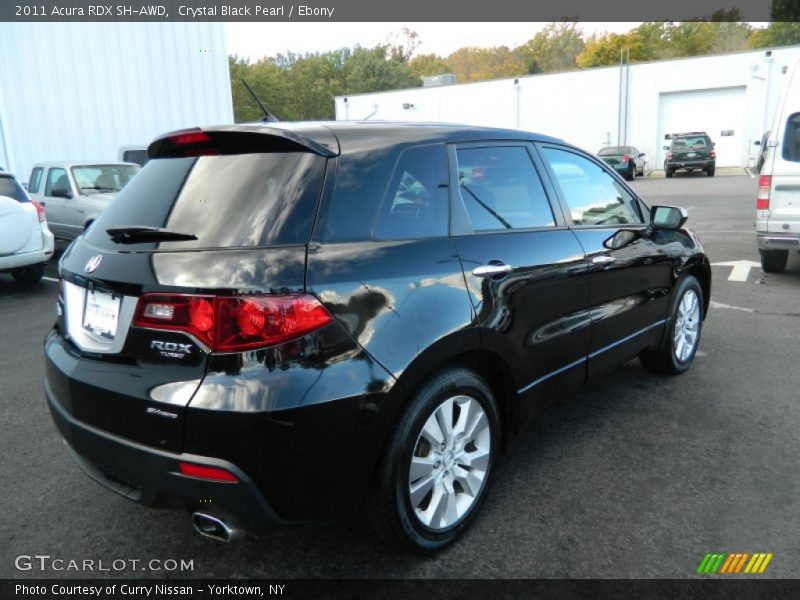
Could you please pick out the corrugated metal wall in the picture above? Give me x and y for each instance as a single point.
(79, 91)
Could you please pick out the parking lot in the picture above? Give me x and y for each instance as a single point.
(636, 476)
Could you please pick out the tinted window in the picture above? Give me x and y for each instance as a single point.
(226, 201)
(501, 189)
(135, 156)
(56, 178)
(697, 142)
(36, 180)
(594, 197)
(9, 187)
(612, 150)
(415, 204)
(791, 139)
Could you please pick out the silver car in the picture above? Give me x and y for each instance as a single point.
(75, 193)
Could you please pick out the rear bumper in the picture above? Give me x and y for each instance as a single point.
(778, 241)
(151, 477)
(691, 164)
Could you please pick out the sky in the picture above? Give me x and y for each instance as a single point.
(256, 40)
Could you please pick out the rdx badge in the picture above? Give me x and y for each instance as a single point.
(171, 349)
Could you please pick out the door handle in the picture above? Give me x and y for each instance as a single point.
(603, 259)
(491, 270)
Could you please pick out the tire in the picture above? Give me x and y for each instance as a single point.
(774, 261)
(401, 508)
(29, 275)
(710, 172)
(672, 357)
(669, 172)
(631, 175)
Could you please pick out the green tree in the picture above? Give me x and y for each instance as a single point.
(552, 49)
(423, 65)
(606, 49)
(785, 10)
(480, 64)
(779, 33)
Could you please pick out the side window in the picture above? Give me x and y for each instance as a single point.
(56, 178)
(415, 204)
(791, 139)
(593, 196)
(35, 180)
(500, 189)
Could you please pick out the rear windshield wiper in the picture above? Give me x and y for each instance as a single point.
(140, 234)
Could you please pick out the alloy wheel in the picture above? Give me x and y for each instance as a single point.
(687, 326)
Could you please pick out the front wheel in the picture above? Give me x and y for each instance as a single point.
(676, 353)
(435, 474)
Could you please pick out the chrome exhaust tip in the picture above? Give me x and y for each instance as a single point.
(215, 528)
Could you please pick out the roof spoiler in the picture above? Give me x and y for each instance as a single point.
(239, 139)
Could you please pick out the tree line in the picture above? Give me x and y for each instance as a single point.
(302, 86)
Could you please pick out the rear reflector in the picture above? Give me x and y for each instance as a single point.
(233, 323)
(764, 186)
(209, 473)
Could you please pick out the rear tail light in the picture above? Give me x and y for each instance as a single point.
(713, 154)
(39, 210)
(764, 185)
(233, 323)
(209, 473)
(669, 155)
(625, 158)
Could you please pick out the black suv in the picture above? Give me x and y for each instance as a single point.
(287, 323)
(690, 151)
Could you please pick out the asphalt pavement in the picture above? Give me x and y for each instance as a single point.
(636, 476)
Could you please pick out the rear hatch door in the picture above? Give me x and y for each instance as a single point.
(244, 220)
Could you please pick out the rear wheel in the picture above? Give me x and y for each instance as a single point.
(774, 261)
(710, 171)
(436, 472)
(669, 172)
(676, 353)
(631, 173)
(30, 274)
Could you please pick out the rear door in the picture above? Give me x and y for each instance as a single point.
(526, 271)
(630, 285)
(784, 200)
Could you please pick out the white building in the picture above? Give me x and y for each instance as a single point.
(80, 91)
(730, 96)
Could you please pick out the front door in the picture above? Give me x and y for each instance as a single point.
(630, 285)
(58, 209)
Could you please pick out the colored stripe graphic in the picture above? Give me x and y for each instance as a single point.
(734, 563)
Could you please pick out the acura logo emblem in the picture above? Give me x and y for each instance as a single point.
(93, 263)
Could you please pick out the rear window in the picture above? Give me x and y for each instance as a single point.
(9, 187)
(612, 150)
(791, 139)
(696, 142)
(238, 200)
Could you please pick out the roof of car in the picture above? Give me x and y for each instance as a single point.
(66, 164)
(330, 138)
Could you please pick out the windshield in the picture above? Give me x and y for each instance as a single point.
(102, 179)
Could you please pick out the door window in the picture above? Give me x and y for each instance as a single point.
(35, 180)
(56, 178)
(593, 196)
(501, 189)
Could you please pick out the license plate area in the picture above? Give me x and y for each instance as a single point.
(101, 314)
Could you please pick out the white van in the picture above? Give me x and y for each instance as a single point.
(778, 200)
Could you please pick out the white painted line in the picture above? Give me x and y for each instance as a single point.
(740, 270)
(701, 353)
(728, 306)
(50, 279)
(750, 172)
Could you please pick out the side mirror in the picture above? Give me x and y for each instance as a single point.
(665, 147)
(668, 217)
(61, 193)
(622, 238)
(757, 143)
(713, 143)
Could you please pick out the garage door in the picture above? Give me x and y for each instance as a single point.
(719, 112)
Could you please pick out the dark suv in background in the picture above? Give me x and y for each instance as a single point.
(301, 322)
(690, 151)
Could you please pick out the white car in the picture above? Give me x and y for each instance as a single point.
(26, 243)
(778, 200)
(75, 193)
